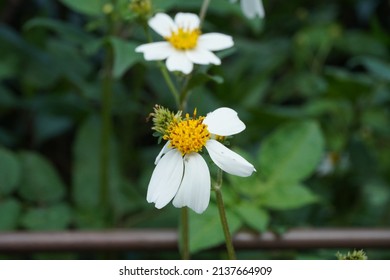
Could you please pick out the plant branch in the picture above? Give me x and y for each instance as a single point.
(222, 215)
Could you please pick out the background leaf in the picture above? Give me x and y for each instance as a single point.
(124, 56)
(254, 217)
(292, 152)
(206, 229)
(10, 211)
(89, 7)
(54, 217)
(40, 182)
(10, 172)
(283, 197)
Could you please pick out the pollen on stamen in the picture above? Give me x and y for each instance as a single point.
(188, 135)
(183, 39)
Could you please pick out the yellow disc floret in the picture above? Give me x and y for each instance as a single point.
(188, 135)
(184, 39)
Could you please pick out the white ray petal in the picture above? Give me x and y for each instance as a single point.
(251, 8)
(215, 41)
(187, 21)
(156, 50)
(194, 190)
(224, 122)
(178, 61)
(163, 151)
(202, 56)
(166, 179)
(162, 24)
(228, 160)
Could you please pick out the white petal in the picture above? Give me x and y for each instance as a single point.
(202, 56)
(163, 151)
(162, 24)
(156, 50)
(228, 160)
(194, 190)
(166, 179)
(251, 8)
(178, 61)
(224, 122)
(187, 21)
(215, 41)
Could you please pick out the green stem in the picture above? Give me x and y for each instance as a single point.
(203, 10)
(184, 232)
(107, 86)
(170, 83)
(185, 235)
(106, 129)
(222, 215)
(184, 94)
(164, 72)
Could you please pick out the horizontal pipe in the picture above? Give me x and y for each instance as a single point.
(158, 239)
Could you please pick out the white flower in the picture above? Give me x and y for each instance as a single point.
(181, 173)
(251, 8)
(184, 45)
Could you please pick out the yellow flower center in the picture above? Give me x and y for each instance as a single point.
(184, 39)
(188, 135)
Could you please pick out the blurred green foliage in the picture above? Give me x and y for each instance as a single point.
(311, 81)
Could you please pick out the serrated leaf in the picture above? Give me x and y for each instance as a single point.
(206, 229)
(88, 7)
(254, 217)
(47, 218)
(284, 196)
(10, 172)
(40, 181)
(10, 211)
(124, 56)
(292, 152)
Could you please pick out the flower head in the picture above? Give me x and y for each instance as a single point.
(184, 43)
(252, 8)
(181, 173)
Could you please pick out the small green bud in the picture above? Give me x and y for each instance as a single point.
(142, 8)
(108, 8)
(355, 255)
(162, 118)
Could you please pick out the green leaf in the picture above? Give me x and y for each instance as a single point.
(206, 229)
(10, 211)
(10, 172)
(253, 216)
(201, 78)
(292, 152)
(40, 182)
(344, 84)
(284, 196)
(49, 126)
(376, 66)
(86, 178)
(67, 31)
(56, 217)
(88, 7)
(359, 42)
(124, 56)
(86, 167)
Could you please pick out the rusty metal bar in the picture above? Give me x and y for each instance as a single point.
(157, 239)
